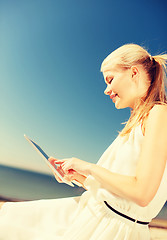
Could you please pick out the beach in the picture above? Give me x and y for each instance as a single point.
(158, 229)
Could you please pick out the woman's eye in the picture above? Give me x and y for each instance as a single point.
(110, 80)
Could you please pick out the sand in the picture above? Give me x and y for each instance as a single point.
(158, 229)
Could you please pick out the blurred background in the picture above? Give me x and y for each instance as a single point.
(52, 88)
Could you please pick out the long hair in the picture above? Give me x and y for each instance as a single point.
(129, 55)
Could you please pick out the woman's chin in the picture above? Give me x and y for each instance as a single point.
(118, 105)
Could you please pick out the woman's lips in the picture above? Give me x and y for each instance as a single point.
(113, 95)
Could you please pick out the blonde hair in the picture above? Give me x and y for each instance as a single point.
(155, 67)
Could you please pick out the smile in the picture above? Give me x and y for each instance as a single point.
(113, 95)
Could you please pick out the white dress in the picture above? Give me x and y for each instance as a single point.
(87, 217)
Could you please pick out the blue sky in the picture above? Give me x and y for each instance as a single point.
(50, 80)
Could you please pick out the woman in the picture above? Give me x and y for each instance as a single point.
(128, 186)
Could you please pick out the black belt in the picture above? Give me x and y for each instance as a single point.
(125, 216)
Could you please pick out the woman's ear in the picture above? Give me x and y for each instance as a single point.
(134, 72)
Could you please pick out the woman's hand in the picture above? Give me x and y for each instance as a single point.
(70, 175)
(72, 165)
(59, 169)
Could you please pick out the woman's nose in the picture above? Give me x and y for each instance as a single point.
(108, 90)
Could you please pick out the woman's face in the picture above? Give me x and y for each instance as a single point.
(121, 88)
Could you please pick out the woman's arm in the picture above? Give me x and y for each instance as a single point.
(154, 153)
(142, 188)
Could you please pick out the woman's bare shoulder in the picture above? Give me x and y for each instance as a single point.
(157, 117)
(154, 117)
(159, 109)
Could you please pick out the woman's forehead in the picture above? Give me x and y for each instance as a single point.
(108, 72)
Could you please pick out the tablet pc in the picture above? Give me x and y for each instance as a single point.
(46, 157)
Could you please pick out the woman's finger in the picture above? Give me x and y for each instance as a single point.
(60, 170)
(58, 179)
(60, 161)
(63, 168)
(52, 161)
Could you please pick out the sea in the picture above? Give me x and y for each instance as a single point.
(22, 185)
